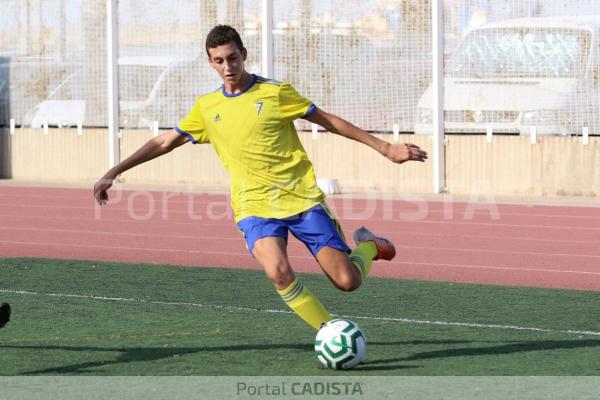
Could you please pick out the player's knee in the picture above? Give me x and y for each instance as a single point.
(349, 282)
(280, 273)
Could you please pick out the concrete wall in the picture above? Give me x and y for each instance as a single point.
(511, 165)
(189, 164)
(62, 155)
(354, 165)
(358, 168)
(554, 166)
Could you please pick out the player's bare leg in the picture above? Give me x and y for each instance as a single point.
(345, 271)
(271, 253)
(339, 269)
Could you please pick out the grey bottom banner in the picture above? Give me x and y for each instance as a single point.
(298, 387)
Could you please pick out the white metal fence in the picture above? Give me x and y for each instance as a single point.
(509, 67)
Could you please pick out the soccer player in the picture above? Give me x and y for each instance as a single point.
(249, 123)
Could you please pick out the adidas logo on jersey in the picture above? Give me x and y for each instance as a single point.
(217, 118)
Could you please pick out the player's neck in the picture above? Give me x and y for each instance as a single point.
(240, 85)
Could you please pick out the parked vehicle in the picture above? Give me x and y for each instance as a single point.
(513, 75)
(150, 89)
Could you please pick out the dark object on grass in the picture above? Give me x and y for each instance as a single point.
(4, 314)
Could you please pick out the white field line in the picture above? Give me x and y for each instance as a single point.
(504, 252)
(144, 249)
(558, 271)
(86, 194)
(291, 256)
(455, 214)
(238, 238)
(250, 309)
(117, 233)
(389, 233)
(90, 219)
(399, 221)
(167, 196)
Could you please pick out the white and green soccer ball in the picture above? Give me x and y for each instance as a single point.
(340, 344)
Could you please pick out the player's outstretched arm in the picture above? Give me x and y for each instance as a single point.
(153, 148)
(397, 153)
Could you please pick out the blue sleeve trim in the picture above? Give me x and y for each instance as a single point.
(187, 135)
(310, 111)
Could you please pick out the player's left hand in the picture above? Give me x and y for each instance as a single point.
(400, 153)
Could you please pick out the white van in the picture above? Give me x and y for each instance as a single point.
(150, 88)
(513, 75)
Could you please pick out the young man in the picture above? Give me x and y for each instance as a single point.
(249, 122)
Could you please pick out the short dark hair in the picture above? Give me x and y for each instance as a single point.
(223, 34)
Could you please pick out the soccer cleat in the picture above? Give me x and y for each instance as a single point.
(385, 248)
(4, 314)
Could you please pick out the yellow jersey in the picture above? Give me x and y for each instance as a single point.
(254, 136)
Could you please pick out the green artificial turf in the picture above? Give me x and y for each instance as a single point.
(94, 318)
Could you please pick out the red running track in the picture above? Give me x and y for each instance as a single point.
(524, 245)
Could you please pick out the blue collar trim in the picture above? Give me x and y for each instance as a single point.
(244, 90)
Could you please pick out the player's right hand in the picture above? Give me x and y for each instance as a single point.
(100, 190)
(400, 153)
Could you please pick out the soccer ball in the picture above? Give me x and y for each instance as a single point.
(340, 344)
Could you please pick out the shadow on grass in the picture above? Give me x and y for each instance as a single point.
(417, 342)
(141, 354)
(127, 355)
(394, 363)
(511, 348)
(157, 353)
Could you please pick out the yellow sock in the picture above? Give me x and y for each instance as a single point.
(362, 257)
(305, 304)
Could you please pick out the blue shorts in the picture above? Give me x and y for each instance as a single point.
(315, 227)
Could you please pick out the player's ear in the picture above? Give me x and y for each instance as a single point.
(244, 53)
(209, 57)
(210, 62)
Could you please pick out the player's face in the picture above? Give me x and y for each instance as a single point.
(228, 61)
